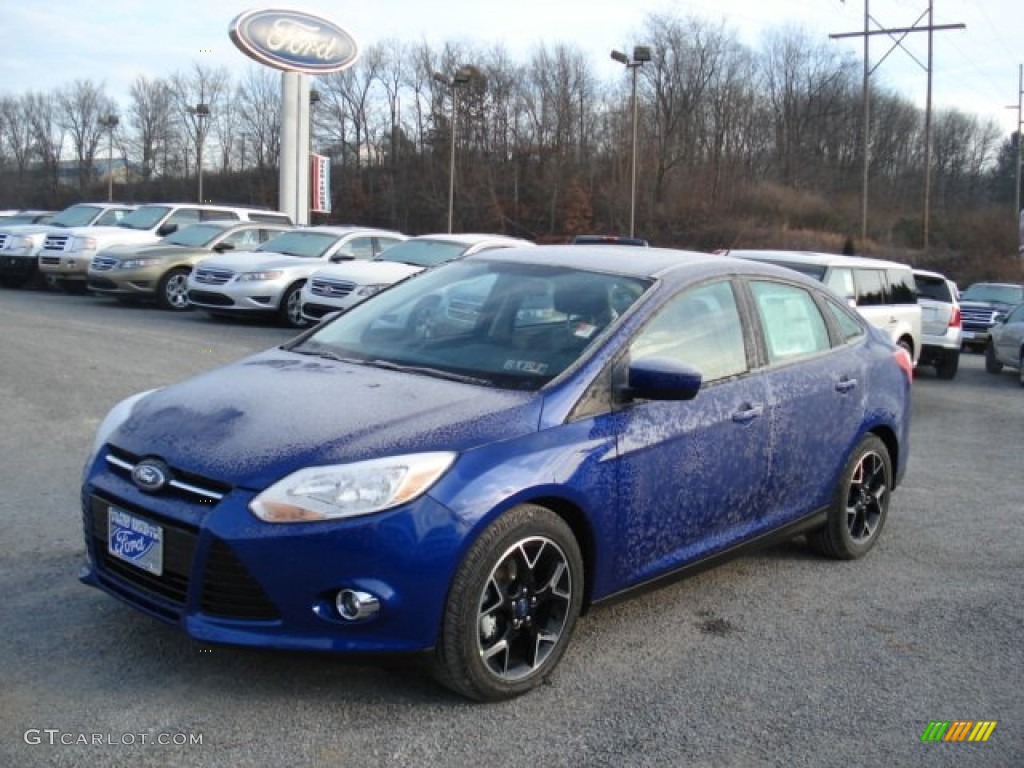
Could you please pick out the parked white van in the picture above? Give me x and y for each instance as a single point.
(884, 292)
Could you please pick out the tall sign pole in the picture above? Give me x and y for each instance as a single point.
(300, 44)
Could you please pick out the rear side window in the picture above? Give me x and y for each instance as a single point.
(793, 325)
(870, 287)
(269, 217)
(217, 215)
(848, 327)
(901, 286)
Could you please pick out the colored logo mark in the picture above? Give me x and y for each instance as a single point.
(959, 730)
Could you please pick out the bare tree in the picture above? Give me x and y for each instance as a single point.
(259, 115)
(81, 107)
(43, 113)
(149, 117)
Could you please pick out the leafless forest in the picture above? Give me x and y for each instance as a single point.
(736, 147)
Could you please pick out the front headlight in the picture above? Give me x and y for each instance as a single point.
(83, 244)
(369, 290)
(270, 274)
(16, 241)
(350, 490)
(137, 263)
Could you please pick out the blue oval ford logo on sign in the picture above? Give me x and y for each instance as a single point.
(293, 41)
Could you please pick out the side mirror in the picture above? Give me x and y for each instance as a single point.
(167, 229)
(221, 247)
(660, 378)
(341, 256)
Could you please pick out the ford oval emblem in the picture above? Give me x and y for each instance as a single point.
(293, 41)
(151, 475)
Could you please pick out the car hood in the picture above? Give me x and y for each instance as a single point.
(121, 234)
(158, 251)
(368, 272)
(23, 230)
(255, 421)
(248, 261)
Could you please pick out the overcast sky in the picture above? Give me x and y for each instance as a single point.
(50, 43)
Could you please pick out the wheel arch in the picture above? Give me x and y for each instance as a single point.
(892, 445)
(577, 521)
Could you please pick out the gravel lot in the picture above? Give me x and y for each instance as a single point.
(782, 659)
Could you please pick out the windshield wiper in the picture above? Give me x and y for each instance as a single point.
(439, 373)
(326, 354)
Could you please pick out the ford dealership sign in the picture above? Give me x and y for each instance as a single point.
(293, 41)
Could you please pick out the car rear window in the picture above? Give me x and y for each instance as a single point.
(935, 288)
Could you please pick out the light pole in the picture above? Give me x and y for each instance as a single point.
(110, 123)
(641, 53)
(201, 112)
(461, 77)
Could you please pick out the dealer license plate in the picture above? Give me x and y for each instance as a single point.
(135, 541)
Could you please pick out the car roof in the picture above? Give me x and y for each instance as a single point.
(472, 238)
(814, 258)
(344, 229)
(630, 261)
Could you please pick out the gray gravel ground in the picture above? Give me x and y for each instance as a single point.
(781, 659)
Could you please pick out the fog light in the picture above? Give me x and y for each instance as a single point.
(354, 605)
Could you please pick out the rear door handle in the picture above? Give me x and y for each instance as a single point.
(747, 412)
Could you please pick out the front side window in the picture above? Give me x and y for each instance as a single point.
(848, 326)
(793, 325)
(700, 328)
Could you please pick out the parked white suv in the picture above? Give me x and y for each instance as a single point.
(267, 280)
(883, 292)
(340, 287)
(20, 244)
(66, 256)
(941, 325)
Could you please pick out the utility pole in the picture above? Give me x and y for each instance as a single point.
(1020, 140)
(898, 35)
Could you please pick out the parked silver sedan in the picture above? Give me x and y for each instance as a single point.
(1006, 343)
(268, 279)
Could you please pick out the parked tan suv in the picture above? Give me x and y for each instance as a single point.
(130, 272)
(65, 257)
(883, 292)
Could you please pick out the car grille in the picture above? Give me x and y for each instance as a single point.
(983, 317)
(317, 311)
(103, 263)
(188, 485)
(227, 588)
(3, 241)
(331, 288)
(208, 276)
(209, 298)
(57, 242)
(55, 260)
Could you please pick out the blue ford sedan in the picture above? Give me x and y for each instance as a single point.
(464, 464)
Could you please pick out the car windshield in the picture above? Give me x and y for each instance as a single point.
(1001, 294)
(195, 236)
(18, 219)
(495, 323)
(76, 216)
(146, 217)
(423, 253)
(304, 244)
(817, 271)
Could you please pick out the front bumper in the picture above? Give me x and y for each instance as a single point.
(18, 265)
(124, 282)
(259, 296)
(230, 578)
(66, 265)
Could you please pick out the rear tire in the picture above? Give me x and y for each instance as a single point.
(949, 362)
(991, 364)
(860, 506)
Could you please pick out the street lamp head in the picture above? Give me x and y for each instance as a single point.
(109, 121)
(314, 96)
(641, 53)
(620, 57)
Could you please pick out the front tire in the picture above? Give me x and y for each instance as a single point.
(512, 606)
(172, 290)
(290, 310)
(861, 504)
